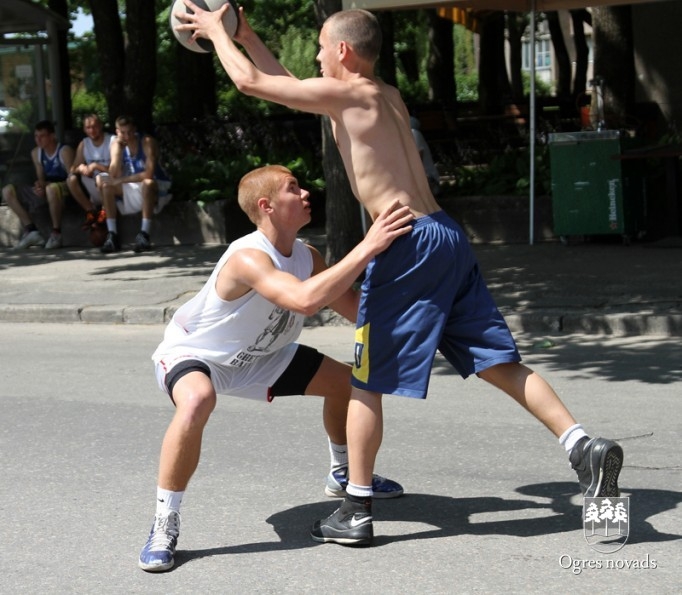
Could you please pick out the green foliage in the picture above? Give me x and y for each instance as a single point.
(413, 91)
(507, 173)
(465, 51)
(207, 159)
(467, 86)
(299, 48)
(84, 102)
(542, 89)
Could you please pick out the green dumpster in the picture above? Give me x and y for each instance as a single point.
(594, 192)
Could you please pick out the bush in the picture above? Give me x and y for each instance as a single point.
(207, 159)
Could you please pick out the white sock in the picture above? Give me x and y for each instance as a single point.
(146, 225)
(359, 491)
(571, 436)
(167, 500)
(111, 225)
(338, 454)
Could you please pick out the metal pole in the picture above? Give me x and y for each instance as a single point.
(531, 208)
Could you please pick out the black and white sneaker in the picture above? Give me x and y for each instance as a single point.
(350, 524)
(111, 244)
(597, 462)
(142, 242)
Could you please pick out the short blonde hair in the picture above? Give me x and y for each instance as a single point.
(358, 28)
(263, 182)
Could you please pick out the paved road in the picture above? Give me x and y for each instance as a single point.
(491, 503)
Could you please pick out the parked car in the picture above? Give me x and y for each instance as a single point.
(5, 122)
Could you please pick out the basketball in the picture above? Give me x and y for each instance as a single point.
(204, 46)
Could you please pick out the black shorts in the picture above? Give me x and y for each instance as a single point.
(293, 381)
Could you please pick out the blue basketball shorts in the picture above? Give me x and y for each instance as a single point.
(426, 293)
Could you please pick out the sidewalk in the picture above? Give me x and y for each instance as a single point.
(593, 288)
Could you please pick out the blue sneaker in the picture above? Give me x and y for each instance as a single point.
(337, 480)
(158, 554)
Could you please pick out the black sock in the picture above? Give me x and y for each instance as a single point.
(356, 502)
(30, 227)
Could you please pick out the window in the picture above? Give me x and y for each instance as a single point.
(543, 54)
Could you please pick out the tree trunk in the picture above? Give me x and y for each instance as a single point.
(582, 51)
(614, 60)
(140, 61)
(61, 8)
(128, 65)
(111, 53)
(563, 90)
(440, 67)
(494, 90)
(196, 87)
(344, 223)
(344, 229)
(386, 65)
(515, 27)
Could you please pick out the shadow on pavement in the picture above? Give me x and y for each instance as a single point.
(453, 516)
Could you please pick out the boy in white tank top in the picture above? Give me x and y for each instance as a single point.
(237, 337)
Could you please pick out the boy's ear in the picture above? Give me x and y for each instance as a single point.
(264, 204)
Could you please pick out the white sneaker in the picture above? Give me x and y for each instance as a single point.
(32, 238)
(54, 241)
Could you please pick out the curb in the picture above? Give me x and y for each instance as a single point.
(615, 325)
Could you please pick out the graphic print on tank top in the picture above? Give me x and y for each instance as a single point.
(281, 321)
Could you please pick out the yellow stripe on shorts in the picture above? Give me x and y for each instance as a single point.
(361, 351)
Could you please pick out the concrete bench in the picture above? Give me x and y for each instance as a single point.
(180, 222)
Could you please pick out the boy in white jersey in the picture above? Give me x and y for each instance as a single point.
(237, 337)
(93, 156)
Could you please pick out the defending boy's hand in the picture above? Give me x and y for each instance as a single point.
(389, 225)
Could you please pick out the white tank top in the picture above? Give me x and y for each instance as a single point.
(101, 154)
(236, 333)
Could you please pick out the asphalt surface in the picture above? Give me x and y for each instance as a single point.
(490, 506)
(595, 288)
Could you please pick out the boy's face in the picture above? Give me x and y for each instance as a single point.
(291, 204)
(44, 138)
(92, 128)
(125, 133)
(327, 54)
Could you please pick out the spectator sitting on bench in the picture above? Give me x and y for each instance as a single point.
(52, 161)
(136, 183)
(91, 162)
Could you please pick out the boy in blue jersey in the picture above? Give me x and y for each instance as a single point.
(52, 161)
(136, 183)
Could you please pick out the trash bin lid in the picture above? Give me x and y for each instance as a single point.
(587, 135)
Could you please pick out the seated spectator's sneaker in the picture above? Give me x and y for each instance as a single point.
(350, 524)
(30, 238)
(142, 242)
(597, 462)
(111, 244)
(54, 241)
(337, 480)
(158, 554)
